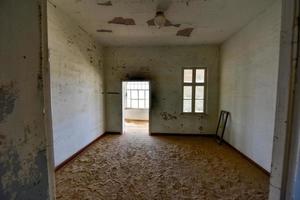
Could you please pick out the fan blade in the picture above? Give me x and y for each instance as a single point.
(151, 22)
(169, 23)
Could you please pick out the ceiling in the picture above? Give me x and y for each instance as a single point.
(212, 21)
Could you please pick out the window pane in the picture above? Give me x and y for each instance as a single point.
(135, 104)
(188, 75)
(147, 103)
(147, 94)
(187, 105)
(141, 94)
(141, 103)
(200, 75)
(187, 92)
(199, 106)
(134, 94)
(199, 92)
(128, 100)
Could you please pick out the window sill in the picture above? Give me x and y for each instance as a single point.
(136, 108)
(201, 114)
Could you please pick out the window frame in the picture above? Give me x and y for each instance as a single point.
(194, 84)
(138, 99)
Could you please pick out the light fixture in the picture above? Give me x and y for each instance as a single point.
(159, 19)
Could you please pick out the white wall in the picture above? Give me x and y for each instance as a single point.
(23, 151)
(249, 69)
(163, 67)
(76, 85)
(136, 114)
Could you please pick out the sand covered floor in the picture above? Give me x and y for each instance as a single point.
(139, 166)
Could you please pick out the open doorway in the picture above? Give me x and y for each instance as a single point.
(135, 107)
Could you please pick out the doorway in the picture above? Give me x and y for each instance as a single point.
(135, 107)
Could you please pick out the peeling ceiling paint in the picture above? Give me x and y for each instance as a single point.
(213, 21)
(104, 31)
(185, 32)
(121, 20)
(105, 3)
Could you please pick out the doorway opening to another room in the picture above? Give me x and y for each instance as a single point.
(135, 107)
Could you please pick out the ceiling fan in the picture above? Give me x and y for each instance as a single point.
(160, 19)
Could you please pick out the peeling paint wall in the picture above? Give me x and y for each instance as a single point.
(163, 67)
(23, 156)
(249, 69)
(76, 85)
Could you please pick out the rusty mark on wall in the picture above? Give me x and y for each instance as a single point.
(168, 116)
(8, 96)
(185, 32)
(123, 21)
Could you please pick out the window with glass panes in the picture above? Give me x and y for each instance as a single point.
(137, 95)
(194, 89)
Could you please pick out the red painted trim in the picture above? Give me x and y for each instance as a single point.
(71, 158)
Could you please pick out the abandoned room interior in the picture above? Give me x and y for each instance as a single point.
(124, 99)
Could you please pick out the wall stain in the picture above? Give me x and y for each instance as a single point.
(83, 29)
(167, 116)
(36, 186)
(40, 83)
(52, 4)
(2, 138)
(8, 96)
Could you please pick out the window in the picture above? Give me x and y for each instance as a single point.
(137, 95)
(194, 89)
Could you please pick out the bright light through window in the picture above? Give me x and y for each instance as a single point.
(194, 87)
(137, 95)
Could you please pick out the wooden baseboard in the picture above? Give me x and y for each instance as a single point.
(183, 134)
(247, 158)
(113, 133)
(158, 134)
(61, 165)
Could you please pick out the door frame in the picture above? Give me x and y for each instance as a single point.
(122, 104)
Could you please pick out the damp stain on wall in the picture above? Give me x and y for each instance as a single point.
(167, 116)
(13, 187)
(8, 96)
